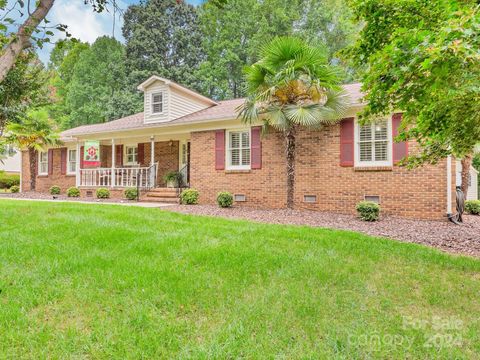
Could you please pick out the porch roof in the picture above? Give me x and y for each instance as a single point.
(224, 110)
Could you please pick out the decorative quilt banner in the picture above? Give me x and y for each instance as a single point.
(91, 154)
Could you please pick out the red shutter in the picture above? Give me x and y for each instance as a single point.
(141, 154)
(119, 155)
(82, 149)
(346, 142)
(63, 160)
(50, 161)
(400, 149)
(256, 153)
(219, 149)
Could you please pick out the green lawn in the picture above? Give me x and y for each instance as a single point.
(106, 281)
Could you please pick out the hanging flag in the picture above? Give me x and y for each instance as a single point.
(91, 154)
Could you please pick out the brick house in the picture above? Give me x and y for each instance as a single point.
(181, 130)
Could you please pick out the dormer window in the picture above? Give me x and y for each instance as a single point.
(157, 103)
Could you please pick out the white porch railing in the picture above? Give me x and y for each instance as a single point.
(137, 177)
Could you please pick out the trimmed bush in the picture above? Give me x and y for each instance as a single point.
(368, 210)
(131, 193)
(224, 199)
(189, 196)
(15, 189)
(73, 192)
(55, 190)
(8, 180)
(473, 207)
(103, 193)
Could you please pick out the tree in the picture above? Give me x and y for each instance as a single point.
(14, 43)
(24, 87)
(163, 37)
(422, 57)
(63, 59)
(235, 32)
(290, 87)
(97, 83)
(34, 134)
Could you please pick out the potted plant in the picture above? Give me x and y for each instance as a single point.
(173, 179)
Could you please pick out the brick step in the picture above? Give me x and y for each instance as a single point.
(164, 191)
(168, 200)
(161, 194)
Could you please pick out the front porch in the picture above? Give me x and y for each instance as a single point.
(134, 163)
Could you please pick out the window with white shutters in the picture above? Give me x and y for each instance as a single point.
(238, 150)
(157, 103)
(373, 144)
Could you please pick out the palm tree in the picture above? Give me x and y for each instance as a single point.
(290, 87)
(34, 134)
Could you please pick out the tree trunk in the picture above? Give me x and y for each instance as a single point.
(466, 164)
(32, 157)
(290, 153)
(21, 40)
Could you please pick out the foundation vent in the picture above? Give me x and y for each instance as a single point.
(310, 198)
(373, 198)
(240, 197)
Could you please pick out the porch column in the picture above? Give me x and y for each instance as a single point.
(152, 150)
(112, 182)
(77, 167)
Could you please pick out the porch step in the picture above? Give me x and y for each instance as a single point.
(164, 195)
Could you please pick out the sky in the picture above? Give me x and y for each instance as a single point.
(82, 22)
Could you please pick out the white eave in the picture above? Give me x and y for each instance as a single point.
(173, 84)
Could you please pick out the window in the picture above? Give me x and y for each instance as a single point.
(238, 150)
(373, 144)
(183, 159)
(43, 163)
(131, 155)
(72, 162)
(157, 103)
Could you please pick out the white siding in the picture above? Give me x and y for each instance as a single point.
(11, 164)
(182, 104)
(157, 86)
(472, 193)
(176, 103)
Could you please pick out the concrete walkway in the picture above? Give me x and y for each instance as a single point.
(138, 204)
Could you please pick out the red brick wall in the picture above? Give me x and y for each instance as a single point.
(44, 182)
(407, 193)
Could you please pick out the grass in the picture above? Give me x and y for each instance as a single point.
(106, 281)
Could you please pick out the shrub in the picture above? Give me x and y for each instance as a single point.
(368, 210)
(55, 190)
(8, 180)
(131, 193)
(189, 196)
(73, 192)
(103, 193)
(224, 199)
(15, 189)
(473, 207)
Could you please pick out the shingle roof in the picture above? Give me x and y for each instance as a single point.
(223, 111)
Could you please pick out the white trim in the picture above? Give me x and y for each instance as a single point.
(449, 184)
(357, 162)
(125, 157)
(68, 162)
(228, 166)
(154, 78)
(152, 103)
(40, 163)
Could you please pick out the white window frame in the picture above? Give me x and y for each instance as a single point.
(125, 154)
(228, 164)
(71, 161)
(153, 103)
(373, 163)
(40, 172)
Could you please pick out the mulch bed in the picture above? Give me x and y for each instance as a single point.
(44, 196)
(443, 235)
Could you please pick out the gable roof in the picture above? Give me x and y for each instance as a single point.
(143, 86)
(223, 110)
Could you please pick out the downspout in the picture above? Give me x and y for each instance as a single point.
(449, 186)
